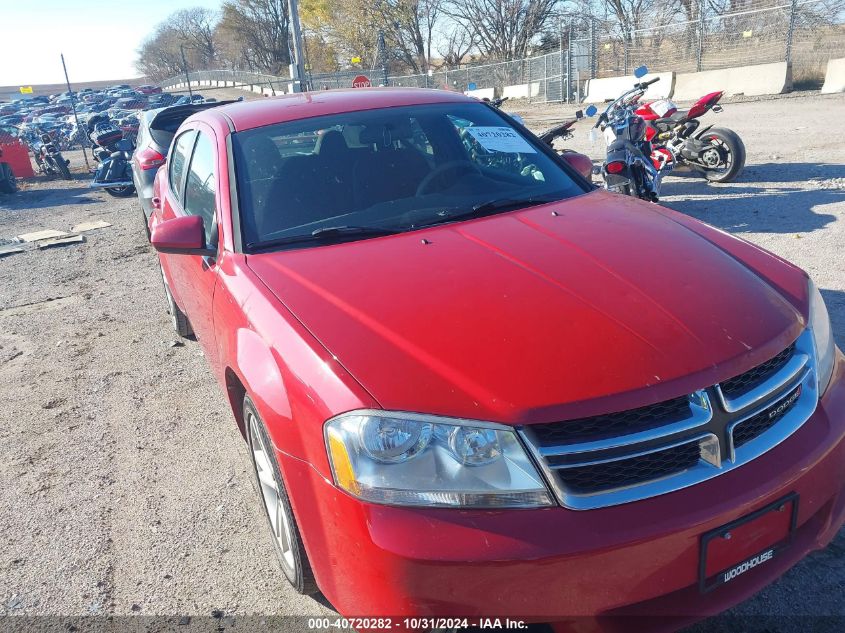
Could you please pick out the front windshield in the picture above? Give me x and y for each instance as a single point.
(357, 174)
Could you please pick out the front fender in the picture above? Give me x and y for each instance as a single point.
(294, 381)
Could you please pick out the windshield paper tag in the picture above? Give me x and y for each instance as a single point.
(501, 139)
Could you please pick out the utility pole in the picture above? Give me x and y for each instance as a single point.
(298, 66)
(185, 67)
(75, 117)
(382, 55)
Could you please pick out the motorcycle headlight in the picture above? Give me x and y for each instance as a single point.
(417, 460)
(822, 338)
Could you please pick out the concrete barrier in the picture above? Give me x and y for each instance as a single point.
(521, 91)
(761, 79)
(834, 79)
(482, 93)
(608, 88)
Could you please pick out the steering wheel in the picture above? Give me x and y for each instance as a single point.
(458, 166)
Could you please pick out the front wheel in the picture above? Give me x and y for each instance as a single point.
(8, 184)
(723, 156)
(121, 192)
(287, 541)
(64, 170)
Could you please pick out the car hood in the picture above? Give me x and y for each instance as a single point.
(594, 304)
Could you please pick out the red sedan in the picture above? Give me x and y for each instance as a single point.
(474, 385)
(148, 89)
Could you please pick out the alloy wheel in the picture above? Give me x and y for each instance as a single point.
(270, 487)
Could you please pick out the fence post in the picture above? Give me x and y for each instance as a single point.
(700, 36)
(625, 53)
(791, 30)
(528, 83)
(594, 62)
(560, 58)
(568, 66)
(546, 76)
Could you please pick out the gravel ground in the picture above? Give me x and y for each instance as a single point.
(125, 482)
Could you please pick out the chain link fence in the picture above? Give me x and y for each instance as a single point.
(805, 33)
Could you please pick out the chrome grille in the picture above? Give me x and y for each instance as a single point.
(759, 423)
(741, 384)
(622, 457)
(631, 470)
(600, 426)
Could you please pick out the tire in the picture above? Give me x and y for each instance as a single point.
(8, 183)
(146, 222)
(730, 141)
(61, 163)
(287, 541)
(121, 192)
(180, 321)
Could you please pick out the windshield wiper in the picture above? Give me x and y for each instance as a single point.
(502, 204)
(493, 206)
(372, 231)
(326, 234)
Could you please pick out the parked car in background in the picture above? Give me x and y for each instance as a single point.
(131, 103)
(148, 89)
(155, 133)
(474, 385)
(162, 100)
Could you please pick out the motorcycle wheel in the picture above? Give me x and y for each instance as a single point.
(121, 192)
(64, 170)
(725, 157)
(8, 184)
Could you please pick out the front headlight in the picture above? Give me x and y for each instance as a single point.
(822, 338)
(418, 460)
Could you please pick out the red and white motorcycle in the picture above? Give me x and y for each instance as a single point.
(676, 139)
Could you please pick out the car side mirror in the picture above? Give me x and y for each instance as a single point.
(181, 236)
(580, 163)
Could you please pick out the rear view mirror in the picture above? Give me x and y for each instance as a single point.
(181, 236)
(640, 72)
(591, 110)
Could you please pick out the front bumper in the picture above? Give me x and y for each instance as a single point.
(553, 564)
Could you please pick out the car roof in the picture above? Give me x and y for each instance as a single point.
(246, 115)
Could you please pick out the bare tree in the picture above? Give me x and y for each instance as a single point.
(159, 56)
(196, 27)
(260, 31)
(456, 45)
(503, 29)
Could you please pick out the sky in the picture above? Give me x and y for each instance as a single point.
(99, 38)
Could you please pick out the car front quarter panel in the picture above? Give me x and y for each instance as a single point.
(295, 382)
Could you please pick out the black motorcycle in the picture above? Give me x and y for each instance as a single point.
(628, 167)
(48, 158)
(113, 152)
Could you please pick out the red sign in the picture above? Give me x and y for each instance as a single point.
(361, 81)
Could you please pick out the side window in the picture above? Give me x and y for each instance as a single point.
(201, 187)
(178, 161)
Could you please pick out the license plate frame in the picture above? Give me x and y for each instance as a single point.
(707, 583)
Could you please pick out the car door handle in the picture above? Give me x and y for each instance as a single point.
(156, 202)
